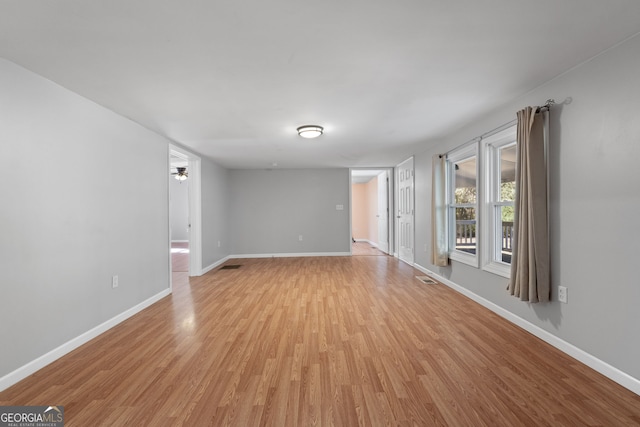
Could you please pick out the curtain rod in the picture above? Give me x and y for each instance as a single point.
(546, 107)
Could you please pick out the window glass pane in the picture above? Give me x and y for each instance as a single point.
(508, 173)
(465, 179)
(505, 224)
(466, 230)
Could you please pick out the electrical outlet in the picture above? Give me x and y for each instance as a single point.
(300, 238)
(563, 294)
(218, 243)
(114, 282)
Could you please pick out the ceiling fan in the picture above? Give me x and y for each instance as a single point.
(181, 174)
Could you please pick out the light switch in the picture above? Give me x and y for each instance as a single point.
(339, 207)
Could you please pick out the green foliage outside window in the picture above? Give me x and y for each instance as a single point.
(507, 193)
(465, 195)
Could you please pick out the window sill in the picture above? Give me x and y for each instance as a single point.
(464, 258)
(500, 269)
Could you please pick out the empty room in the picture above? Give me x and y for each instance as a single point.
(184, 242)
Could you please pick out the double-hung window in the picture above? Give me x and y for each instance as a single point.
(499, 151)
(462, 204)
(481, 191)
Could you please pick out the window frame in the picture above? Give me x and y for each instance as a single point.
(491, 200)
(461, 154)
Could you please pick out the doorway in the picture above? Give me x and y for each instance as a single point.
(179, 213)
(185, 241)
(371, 228)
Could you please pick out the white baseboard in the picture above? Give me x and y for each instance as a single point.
(591, 361)
(179, 241)
(42, 361)
(214, 265)
(291, 255)
(367, 241)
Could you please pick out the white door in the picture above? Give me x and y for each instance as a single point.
(405, 210)
(383, 212)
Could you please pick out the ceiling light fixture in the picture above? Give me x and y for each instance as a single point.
(310, 131)
(181, 175)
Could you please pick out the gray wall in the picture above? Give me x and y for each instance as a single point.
(595, 201)
(215, 212)
(71, 218)
(271, 208)
(179, 209)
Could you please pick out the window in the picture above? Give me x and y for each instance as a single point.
(481, 194)
(499, 197)
(462, 204)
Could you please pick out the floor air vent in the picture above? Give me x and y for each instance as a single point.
(426, 279)
(230, 267)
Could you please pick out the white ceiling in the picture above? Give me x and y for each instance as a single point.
(362, 176)
(234, 78)
(176, 162)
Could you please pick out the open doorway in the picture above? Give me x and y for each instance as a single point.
(179, 213)
(370, 222)
(185, 240)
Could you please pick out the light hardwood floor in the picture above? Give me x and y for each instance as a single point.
(180, 257)
(365, 249)
(322, 341)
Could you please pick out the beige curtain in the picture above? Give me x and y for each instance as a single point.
(439, 249)
(530, 260)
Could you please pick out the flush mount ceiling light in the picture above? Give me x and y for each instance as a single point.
(310, 131)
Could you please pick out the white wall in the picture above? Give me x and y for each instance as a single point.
(595, 201)
(71, 218)
(270, 209)
(179, 209)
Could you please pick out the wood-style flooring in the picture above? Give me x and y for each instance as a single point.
(365, 249)
(343, 341)
(180, 256)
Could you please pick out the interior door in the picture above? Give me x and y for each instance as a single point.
(405, 210)
(383, 212)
